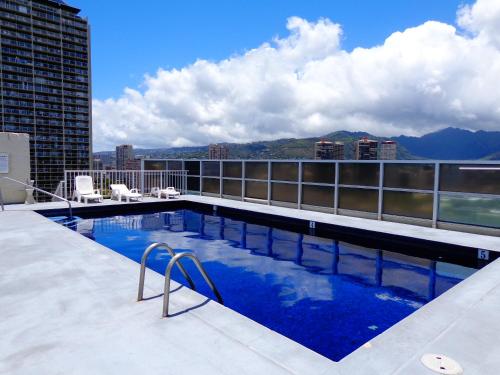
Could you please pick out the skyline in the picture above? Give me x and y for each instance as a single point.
(313, 81)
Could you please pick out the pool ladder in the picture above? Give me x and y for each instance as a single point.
(168, 271)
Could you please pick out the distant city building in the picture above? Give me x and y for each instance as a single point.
(45, 85)
(216, 151)
(388, 150)
(124, 153)
(366, 149)
(98, 165)
(325, 150)
(133, 165)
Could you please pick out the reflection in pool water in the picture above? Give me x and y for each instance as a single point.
(329, 296)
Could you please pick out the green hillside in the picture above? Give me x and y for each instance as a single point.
(292, 148)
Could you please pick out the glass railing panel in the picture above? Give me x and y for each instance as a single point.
(358, 199)
(155, 165)
(211, 185)
(409, 176)
(284, 192)
(193, 183)
(362, 174)
(318, 172)
(285, 171)
(232, 187)
(464, 209)
(256, 189)
(232, 169)
(403, 203)
(316, 195)
(211, 168)
(174, 165)
(192, 167)
(466, 178)
(256, 170)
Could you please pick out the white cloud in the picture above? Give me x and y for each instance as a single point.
(421, 79)
(482, 19)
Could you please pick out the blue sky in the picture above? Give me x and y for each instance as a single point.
(132, 38)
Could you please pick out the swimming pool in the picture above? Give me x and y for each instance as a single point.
(329, 296)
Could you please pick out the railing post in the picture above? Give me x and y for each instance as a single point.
(269, 182)
(1, 200)
(299, 187)
(101, 179)
(243, 172)
(336, 192)
(380, 191)
(201, 177)
(184, 176)
(221, 180)
(435, 196)
(142, 179)
(66, 184)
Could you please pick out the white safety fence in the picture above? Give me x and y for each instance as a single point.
(143, 180)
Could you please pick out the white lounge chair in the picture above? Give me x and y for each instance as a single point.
(169, 192)
(84, 188)
(119, 190)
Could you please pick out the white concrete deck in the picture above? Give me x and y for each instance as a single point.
(74, 204)
(68, 306)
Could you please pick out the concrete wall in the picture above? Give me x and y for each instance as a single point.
(16, 148)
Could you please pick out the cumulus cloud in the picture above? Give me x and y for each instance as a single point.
(420, 79)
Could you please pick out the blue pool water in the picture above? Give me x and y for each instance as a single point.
(329, 296)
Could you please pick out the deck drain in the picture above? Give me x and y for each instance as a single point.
(441, 364)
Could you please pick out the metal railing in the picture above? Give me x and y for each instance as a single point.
(70, 208)
(149, 249)
(143, 180)
(168, 272)
(438, 193)
(175, 260)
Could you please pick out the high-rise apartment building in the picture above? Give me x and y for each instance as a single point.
(98, 165)
(325, 150)
(133, 165)
(366, 149)
(124, 153)
(218, 152)
(45, 85)
(388, 150)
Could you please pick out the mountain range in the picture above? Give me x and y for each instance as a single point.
(445, 144)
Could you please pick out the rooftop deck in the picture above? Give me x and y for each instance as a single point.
(68, 306)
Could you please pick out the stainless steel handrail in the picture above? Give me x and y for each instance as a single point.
(168, 271)
(145, 255)
(70, 208)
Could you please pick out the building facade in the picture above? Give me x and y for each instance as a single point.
(45, 85)
(388, 150)
(218, 152)
(97, 164)
(132, 165)
(124, 153)
(325, 150)
(366, 149)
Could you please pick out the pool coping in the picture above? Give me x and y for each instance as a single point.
(437, 327)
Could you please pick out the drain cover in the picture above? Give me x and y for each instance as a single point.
(441, 364)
